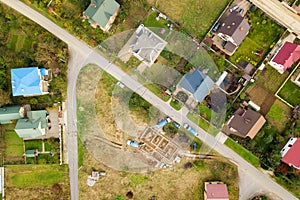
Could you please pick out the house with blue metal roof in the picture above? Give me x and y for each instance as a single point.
(102, 13)
(197, 84)
(29, 81)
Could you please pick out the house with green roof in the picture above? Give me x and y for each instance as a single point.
(33, 126)
(7, 114)
(102, 13)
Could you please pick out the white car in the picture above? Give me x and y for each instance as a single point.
(120, 84)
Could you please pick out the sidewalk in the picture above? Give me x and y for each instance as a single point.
(65, 132)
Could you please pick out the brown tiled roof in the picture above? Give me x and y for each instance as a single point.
(236, 27)
(245, 123)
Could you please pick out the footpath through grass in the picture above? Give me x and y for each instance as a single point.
(247, 155)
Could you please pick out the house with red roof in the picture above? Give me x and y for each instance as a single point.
(285, 57)
(290, 153)
(215, 190)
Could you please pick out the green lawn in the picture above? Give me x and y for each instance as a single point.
(291, 93)
(202, 123)
(263, 35)
(175, 104)
(80, 152)
(196, 17)
(247, 155)
(205, 112)
(157, 91)
(150, 20)
(279, 115)
(270, 79)
(13, 147)
(33, 144)
(35, 175)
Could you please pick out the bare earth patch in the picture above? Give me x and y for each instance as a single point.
(168, 184)
(261, 97)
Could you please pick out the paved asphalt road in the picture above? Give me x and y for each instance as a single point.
(280, 13)
(80, 55)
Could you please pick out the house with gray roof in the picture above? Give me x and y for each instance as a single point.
(197, 84)
(145, 45)
(233, 31)
(102, 13)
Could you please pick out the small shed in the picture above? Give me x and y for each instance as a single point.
(30, 153)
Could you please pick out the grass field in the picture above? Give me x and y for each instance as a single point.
(195, 16)
(263, 35)
(36, 182)
(270, 79)
(202, 123)
(279, 115)
(150, 20)
(291, 93)
(247, 155)
(13, 147)
(167, 184)
(33, 144)
(175, 104)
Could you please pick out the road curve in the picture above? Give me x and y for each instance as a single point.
(280, 13)
(80, 55)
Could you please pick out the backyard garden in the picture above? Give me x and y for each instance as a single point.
(25, 44)
(263, 35)
(14, 148)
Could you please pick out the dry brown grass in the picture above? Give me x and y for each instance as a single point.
(261, 97)
(167, 184)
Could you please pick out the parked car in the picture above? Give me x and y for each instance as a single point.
(163, 122)
(233, 8)
(177, 125)
(132, 143)
(241, 11)
(120, 84)
(216, 27)
(190, 129)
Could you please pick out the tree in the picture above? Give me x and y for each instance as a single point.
(170, 129)
(4, 97)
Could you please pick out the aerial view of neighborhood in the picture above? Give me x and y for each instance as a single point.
(150, 99)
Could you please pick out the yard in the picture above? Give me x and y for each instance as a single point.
(279, 115)
(247, 155)
(179, 182)
(270, 79)
(196, 17)
(291, 93)
(37, 182)
(263, 35)
(13, 153)
(44, 157)
(23, 44)
(204, 124)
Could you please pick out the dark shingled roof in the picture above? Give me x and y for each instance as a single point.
(245, 122)
(236, 27)
(229, 47)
